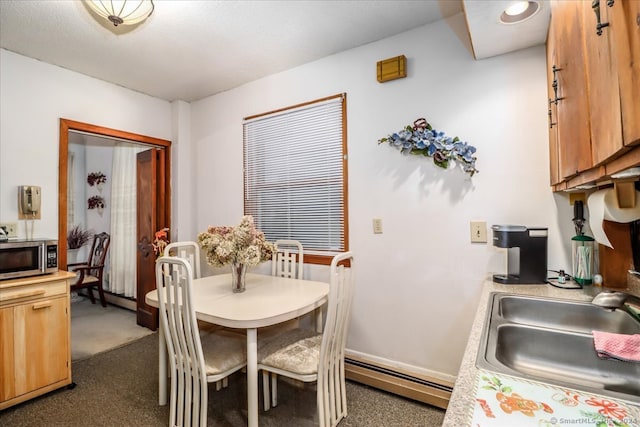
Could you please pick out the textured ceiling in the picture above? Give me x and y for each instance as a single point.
(189, 50)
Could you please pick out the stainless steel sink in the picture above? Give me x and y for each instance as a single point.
(564, 315)
(550, 340)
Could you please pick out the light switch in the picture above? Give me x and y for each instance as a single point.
(478, 232)
(377, 226)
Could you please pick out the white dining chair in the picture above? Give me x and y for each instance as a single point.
(187, 250)
(194, 361)
(288, 259)
(190, 251)
(308, 356)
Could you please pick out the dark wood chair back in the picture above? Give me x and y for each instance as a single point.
(98, 253)
(90, 274)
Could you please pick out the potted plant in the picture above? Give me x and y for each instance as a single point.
(95, 178)
(77, 237)
(98, 179)
(96, 202)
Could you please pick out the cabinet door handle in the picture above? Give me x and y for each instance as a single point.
(18, 295)
(551, 122)
(595, 5)
(555, 85)
(41, 305)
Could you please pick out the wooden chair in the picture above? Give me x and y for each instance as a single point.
(308, 356)
(194, 361)
(91, 273)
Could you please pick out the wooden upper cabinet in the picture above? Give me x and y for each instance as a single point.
(554, 161)
(574, 135)
(612, 75)
(625, 26)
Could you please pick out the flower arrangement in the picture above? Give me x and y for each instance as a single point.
(77, 237)
(160, 241)
(422, 139)
(96, 202)
(95, 178)
(242, 244)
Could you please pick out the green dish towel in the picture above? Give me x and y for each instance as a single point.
(633, 310)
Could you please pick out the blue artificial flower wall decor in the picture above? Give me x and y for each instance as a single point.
(422, 139)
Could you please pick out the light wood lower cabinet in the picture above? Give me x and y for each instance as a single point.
(35, 353)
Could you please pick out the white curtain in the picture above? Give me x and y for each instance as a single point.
(122, 270)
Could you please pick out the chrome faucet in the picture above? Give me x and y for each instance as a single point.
(614, 299)
(610, 299)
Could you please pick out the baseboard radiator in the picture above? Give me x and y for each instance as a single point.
(433, 391)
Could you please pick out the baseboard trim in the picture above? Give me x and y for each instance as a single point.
(111, 298)
(120, 301)
(430, 390)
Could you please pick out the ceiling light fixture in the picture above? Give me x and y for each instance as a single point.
(517, 8)
(519, 11)
(122, 12)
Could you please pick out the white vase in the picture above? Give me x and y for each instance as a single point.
(72, 255)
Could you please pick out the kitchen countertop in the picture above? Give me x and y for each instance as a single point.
(463, 398)
(43, 278)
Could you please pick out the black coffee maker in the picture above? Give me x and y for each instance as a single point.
(526, 253)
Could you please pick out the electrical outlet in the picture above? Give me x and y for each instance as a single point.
(10, 228)
(377, 226)
(478, 232)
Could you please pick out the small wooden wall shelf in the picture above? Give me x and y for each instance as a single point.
(392, 68)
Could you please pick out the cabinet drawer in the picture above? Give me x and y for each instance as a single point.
(20, 294)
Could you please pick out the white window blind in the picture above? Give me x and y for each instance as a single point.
(294, 174)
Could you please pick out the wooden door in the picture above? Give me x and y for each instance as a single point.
(150, 218)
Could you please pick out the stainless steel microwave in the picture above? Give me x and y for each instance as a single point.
(24, 258)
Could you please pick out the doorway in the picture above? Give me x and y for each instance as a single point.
(156, 205)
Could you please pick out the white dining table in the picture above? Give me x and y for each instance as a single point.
(267, 300)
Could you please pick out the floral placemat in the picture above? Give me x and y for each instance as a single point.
(504, 401)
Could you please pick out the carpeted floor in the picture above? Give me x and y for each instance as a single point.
(95, 329)
(120, 388)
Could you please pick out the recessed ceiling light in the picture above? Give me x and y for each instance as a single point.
(517, 8)
(519, 11)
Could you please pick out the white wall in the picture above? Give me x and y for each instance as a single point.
(99, 158)
(183, 224)
(34, 96)
(418, 282)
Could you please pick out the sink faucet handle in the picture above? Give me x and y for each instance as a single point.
(610, 299)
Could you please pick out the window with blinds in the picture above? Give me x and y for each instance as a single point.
(295, 174)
